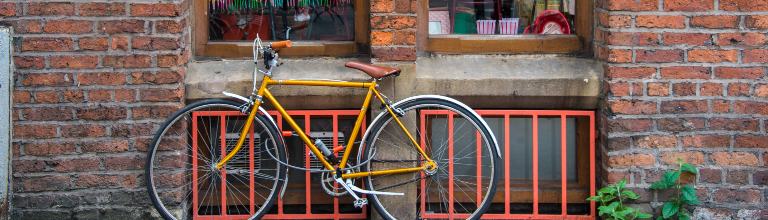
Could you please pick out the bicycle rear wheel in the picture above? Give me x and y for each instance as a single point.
(452, 134)
(180, 172)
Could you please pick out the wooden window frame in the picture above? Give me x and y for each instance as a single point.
(579, 43)
(222, 49)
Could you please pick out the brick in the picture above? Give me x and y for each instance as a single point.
(711, 89)
(750, 107)
(94, 43)
(75, 165)
(688, 5)
(713, 56)
(381, 38)
(630, 125)
(619, 56)
(50, 8)
(632, 5)
(654, 21)
(161, 95)
(29, 62)
(8, 9)
(28, 166)
(133, 130)
(616, 176)
(124, 163)
(615, 144)
(680, 124)
(393, 22)
(46, 44)
(691, 39)
(102, 113)
(693, 157)
(658, 89)
(46, 97)
(738, 89)
(684, 89)
(28, 26)
(74, 62)
(737, 177)
(382, 6)
(405, 6)
(734, 159)
(21, 97)
(95, 181)
(83, 130)
(68, 26)
(756, 21)
(655, 141)
(615, 21)
(738, 196)
(404, 38)
(163, 77)
(122, 26)
(685, 72)
(620, 89)
(154, 10)
(684, 107)
(756, 56)
(47, 114)
(631, 160)
(111, 146)
(125, 95)
(760, 178)
(73, 96)
(734, 124)
(630, 72)
(43, 183)
(49, 148)
(632, 38)
(119, 43)
(102, 9)
(751, 141)
(34, 131)
(632, 107)
(99, 96)
(743, 5)
(170, 26)
(761, 90)
(101, 78)
(154, 43)
(739, 72)
(721, 106)
(659, 56)
(167, 60)
(394, 53)
(707, 175)
(130, 61)
(742, 39)
(715, 21)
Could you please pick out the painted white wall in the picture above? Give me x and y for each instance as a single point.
(5, 113)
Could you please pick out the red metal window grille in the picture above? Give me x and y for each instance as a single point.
(504, 188)
(286, 207)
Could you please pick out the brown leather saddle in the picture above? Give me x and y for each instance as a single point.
(377, 72)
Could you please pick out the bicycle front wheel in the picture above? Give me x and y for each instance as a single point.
(455, 138)
(182, 179)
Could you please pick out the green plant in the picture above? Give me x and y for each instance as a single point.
(612, 198)
(684, 194)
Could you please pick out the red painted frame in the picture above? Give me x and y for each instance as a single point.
(307, 114)
(534, 114)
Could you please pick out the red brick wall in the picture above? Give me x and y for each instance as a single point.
(393, 30)
(92, 82)
(687, 79)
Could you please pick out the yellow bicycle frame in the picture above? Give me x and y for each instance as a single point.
(372, 91)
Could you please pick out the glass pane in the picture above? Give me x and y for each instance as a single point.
(327, 20)
(505, 17)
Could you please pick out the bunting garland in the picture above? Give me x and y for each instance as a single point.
(245, 5)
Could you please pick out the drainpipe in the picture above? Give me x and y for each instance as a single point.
(5, 119)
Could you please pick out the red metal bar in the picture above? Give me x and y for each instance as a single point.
(451, 196)
(279, 122)
(563, 167)
(592, 162)
(251, 185)
(308, 185)
(223, 141)
(535, 165)
(194, 165)
(422, 134)
(479, 171)
(506, 165)
(335, 134)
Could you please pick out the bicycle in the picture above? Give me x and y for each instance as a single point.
(433, 148)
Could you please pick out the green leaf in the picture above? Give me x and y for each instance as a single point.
(659, 185)
(683, 216)
(642, 215)
(622, 183)
(629, 194)
(686, 167)
(669, 209)
(610, 208)
(688, 195)
(659, 218)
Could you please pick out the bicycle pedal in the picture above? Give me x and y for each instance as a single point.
(359, 203)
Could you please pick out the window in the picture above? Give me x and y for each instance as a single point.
(225, 28)
(507, 26)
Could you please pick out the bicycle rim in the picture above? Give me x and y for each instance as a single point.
(182, 180)
(462, 186)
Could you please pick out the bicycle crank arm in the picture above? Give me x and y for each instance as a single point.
(357, 189)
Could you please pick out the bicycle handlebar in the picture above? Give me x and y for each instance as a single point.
(281, 44)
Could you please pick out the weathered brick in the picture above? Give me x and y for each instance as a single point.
(405, 6)
(692, 157)
(95, 181)
(738, 89)
(68, 26)
(130, 61)
(756, 56)
(125, 95)
(73, 96)
(688, 5)
(154, 10)
(406, 37)
(685, 72)
(620, 88)
(47, 114)
(34, 131)
(659, 56)
(684, 89)
(761, 90)
(28, 166)
(101, 78)
(382, 6)
(47, 44)
(75, 165)
(691, 39)
(760, 178)
(124, 163)
(102, 9)
(94, 43)
(631, 125)
(119, 42)
(707, 175)
(111, 146)
(21, 97)
(619, 56)
(170, 26)
(43, 183)
(630, 72)
(394, 53)
(745, 39)
(49, 148)
(738, 196)
(47, 97)
(161, 95)
(50, 8)
(154, 43)
(656, 21)
(734, 124)
(393, 22)
(684, 107)
(751, 141)
(163, 77)
(632, 5)
(83, 130)
(658, 89)
(631, 160)
(757, 21)
(715, 21)
(8, 9)
(27, 26)
(74, 62)
(711, 89)
(743, 5)
(680, 124)
(734, 158)
(122, 26)
(632, 107)
(99, 95)
(750, 107)
(133, 130)
(29, 62)
(655, 141)
(101, 113)
(721, 106)
(713, 56)
(739, 72)
(614, 21)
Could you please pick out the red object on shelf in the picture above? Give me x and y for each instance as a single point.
(258, 24)
(549, 22)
